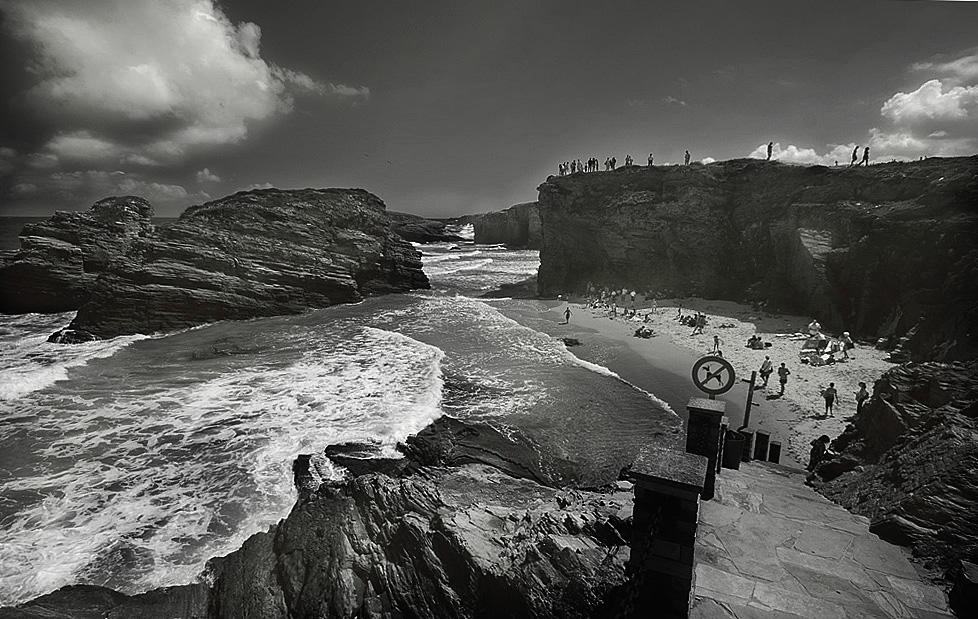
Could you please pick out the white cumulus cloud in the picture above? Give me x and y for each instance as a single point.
(146, 82)
(206, 176)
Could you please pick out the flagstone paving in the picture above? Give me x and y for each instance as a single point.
(769, 547)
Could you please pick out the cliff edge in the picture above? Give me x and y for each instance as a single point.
(886, 251)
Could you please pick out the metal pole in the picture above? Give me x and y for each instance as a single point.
(750, 399)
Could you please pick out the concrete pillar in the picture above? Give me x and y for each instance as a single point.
(668, 483)
(703, 436)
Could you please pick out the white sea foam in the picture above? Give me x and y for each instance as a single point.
(28, 362)
(173, 477)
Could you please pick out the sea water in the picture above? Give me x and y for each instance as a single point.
(130, 462)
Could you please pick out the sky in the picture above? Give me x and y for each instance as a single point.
(449, 107)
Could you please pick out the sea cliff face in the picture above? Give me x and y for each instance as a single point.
(884, 251)
(61, 258)
(517, 226)
(252, 254)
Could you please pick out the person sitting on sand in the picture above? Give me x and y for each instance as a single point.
(830, 395)
(820, 448)
(767, 368)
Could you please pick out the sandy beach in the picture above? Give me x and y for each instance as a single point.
(661, 364)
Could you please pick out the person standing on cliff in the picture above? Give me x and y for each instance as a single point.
(770, 149)
(650, 160)
(614, 162)
(783, 373)
(865, 160)
(686, 160)
(855, 155)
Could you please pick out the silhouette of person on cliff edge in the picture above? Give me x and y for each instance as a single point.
(650, 160)
(770, 149)
(687, 158)
(865, 160)
(855, 155)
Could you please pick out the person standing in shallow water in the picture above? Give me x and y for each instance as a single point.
(770, 149)
(783, 373)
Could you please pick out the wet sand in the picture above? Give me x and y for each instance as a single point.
(662, 364)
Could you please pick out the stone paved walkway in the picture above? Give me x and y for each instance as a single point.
(770, 547)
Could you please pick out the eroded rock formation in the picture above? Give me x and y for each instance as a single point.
(417, 229)
(909, 461)
(875, 251)
(517, 226)
(256, 253)
(61, 258)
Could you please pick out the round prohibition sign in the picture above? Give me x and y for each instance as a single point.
(713, 375)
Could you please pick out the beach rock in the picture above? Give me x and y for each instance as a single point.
(525, 289)
(917, 442)
(517, 226)
(417, 229)
(60, 258)
(91, 602)
(885, 251)
(72, 336)
(256, 253)
(466, 541)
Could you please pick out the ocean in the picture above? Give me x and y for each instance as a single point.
(130, 462)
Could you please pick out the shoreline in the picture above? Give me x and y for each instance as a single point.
(661, 364)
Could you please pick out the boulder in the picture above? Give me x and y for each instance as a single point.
(417, 229)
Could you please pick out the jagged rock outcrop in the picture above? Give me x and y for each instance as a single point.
(60, 258)
(873, 250)
(517, 226)
(417, 229)
(256, 253)
(459, 529)
(909, 461)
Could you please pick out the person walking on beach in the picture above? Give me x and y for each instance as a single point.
(846, 344)
(767, 368)
(687, 158)
(783, 373)
(567, 315)
(861, 396)
(855, 155)
(770, 149)
(716, 345)
(829, 394)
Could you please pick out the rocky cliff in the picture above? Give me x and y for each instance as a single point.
(417, 229)
(909, 460)
(61, 258)
(256, 253)
(517, 226)
(881, 251)
(460, 528)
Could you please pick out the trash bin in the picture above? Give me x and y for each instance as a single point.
(733, 449)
